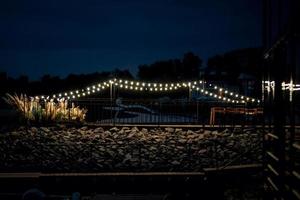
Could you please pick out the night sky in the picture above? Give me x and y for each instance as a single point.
(59, 37)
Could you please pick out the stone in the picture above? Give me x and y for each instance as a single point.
(84, 128)
(144, 130)
(175, 162)
(114, 129)
(98, 130)
(178, 130)
(135, 129)
(202, 151)
(182, 140)
(34, 130)
(45, 129)
(170, 130)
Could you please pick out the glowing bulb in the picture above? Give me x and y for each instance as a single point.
(231, 93)
(215, 87)
(131, 83)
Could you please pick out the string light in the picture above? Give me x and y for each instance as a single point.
(142, 86)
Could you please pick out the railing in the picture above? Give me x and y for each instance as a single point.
(162, 111)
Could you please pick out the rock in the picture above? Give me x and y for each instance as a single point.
(182, 140)
(131, 134)
(45, 129)
(84, 128)
(135, 129)
(202, 151)
(98, 130)
(201, 136)
(144, 130)
(175, 162)
(177, 130)
(114, 129)
(169, 129)
(34, 130)
(189, 132)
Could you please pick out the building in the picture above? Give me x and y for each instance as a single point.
(281, 105)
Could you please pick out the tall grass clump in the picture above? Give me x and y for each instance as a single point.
(33, 109)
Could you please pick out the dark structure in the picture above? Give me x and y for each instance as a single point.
(282, 64)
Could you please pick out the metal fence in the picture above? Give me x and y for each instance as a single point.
(163, 111)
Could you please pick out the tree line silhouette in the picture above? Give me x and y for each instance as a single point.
(226, 68)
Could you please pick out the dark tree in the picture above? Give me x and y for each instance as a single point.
(170, 70)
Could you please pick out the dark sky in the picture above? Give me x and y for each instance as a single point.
(59, 37)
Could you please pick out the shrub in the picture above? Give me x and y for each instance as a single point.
(34, 109)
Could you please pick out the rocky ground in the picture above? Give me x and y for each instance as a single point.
(87, 149)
